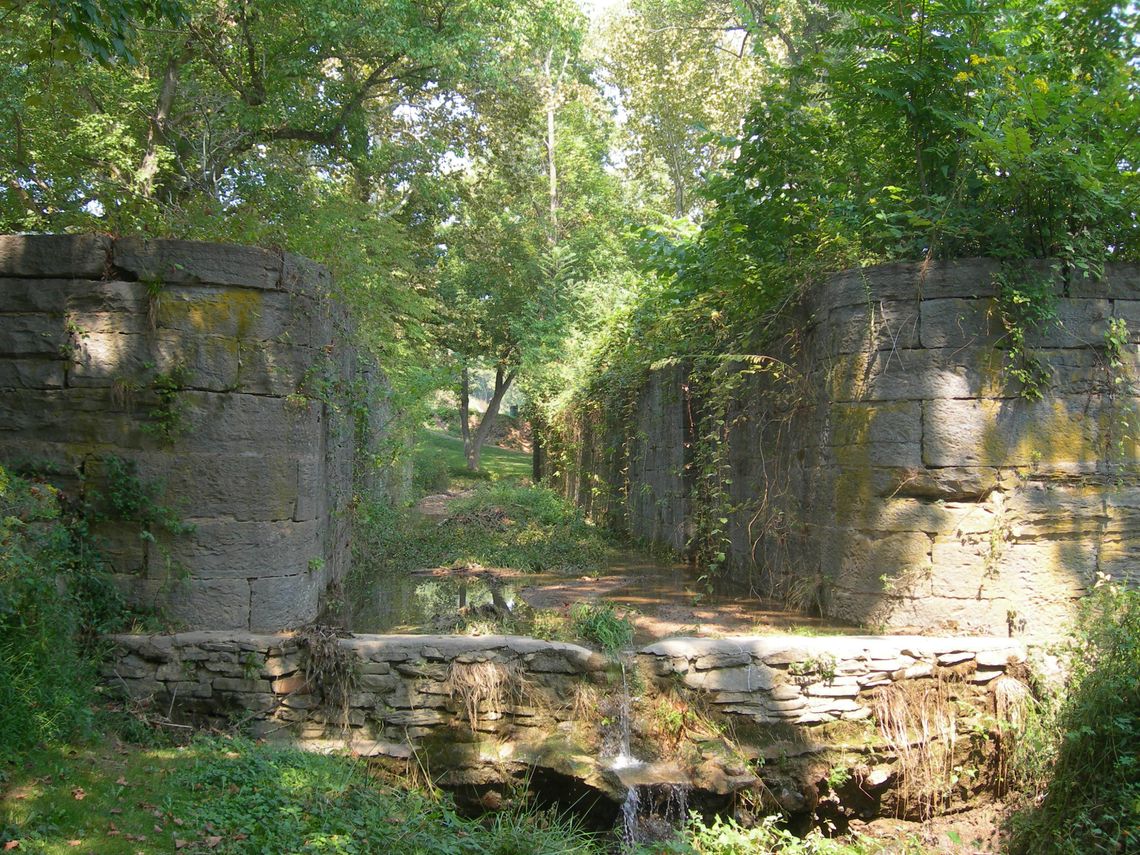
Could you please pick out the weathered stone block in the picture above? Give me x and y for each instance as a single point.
(1050, 434)
(32, 374)
(751, 678)
(966, 277)
(189, 262)
(226, 601)
(304, 276)
(237, 423)
(886, 326)
(722, 659)
(957, 323)
(1080, 322)
(246, 487)
(241, 314)
(228, 549)
(283, 601)
(34, 335)
(33, 256)
(233, 684)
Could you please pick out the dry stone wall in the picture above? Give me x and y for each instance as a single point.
(899, 478)
(217, 375)
(481, 711)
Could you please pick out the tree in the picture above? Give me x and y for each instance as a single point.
(685, 72)
(537, 219)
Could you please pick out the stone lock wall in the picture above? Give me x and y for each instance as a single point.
(900, 479)
(217, 372)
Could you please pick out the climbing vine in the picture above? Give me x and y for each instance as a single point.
(1027, 305)
(1122, 421)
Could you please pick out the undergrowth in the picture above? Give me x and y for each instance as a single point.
(1091, 785)
(274, 800)
(601, 624)
(44, 676)
(728, 837)
(57, 598)
(502, 524)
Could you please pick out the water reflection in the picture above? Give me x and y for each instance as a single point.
(429, 602)
(662, 599)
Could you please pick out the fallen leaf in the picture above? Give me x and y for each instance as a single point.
(176, 821)
(180, 844)
(122, 782)
(75, 843)
(79, 794)
(157, 828)
(213, 841)
(115, 810)
(11, 844)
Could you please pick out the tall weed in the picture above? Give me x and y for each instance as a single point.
(45, 679)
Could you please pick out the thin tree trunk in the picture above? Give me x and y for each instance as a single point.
(553, 90)
(474, 450)
(465, 412)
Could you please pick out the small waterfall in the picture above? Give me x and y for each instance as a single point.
(624, 758)
(656, 803)
(676, 804)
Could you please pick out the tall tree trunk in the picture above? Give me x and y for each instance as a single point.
(156, 132)
(473, 445)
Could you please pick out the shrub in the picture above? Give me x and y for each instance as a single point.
(1092, 797)
(430, 474)
(276, 800)
(727, 837)
(501, 524)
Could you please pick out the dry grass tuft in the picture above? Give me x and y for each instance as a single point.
(331, 671)
(485, 686)
(1012, 702)
(918, 721)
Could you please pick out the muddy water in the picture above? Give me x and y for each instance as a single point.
(662, 599)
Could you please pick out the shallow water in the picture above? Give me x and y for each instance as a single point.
(663, 599)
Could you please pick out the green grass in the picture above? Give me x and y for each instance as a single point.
(496, 463)
(501, 524)
(235, 797)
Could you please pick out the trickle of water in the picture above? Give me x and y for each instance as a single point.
(624, 758)
(629, 809)
(677, 804)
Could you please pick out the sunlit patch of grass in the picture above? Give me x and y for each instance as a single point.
(236, 797)
(495, 463)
